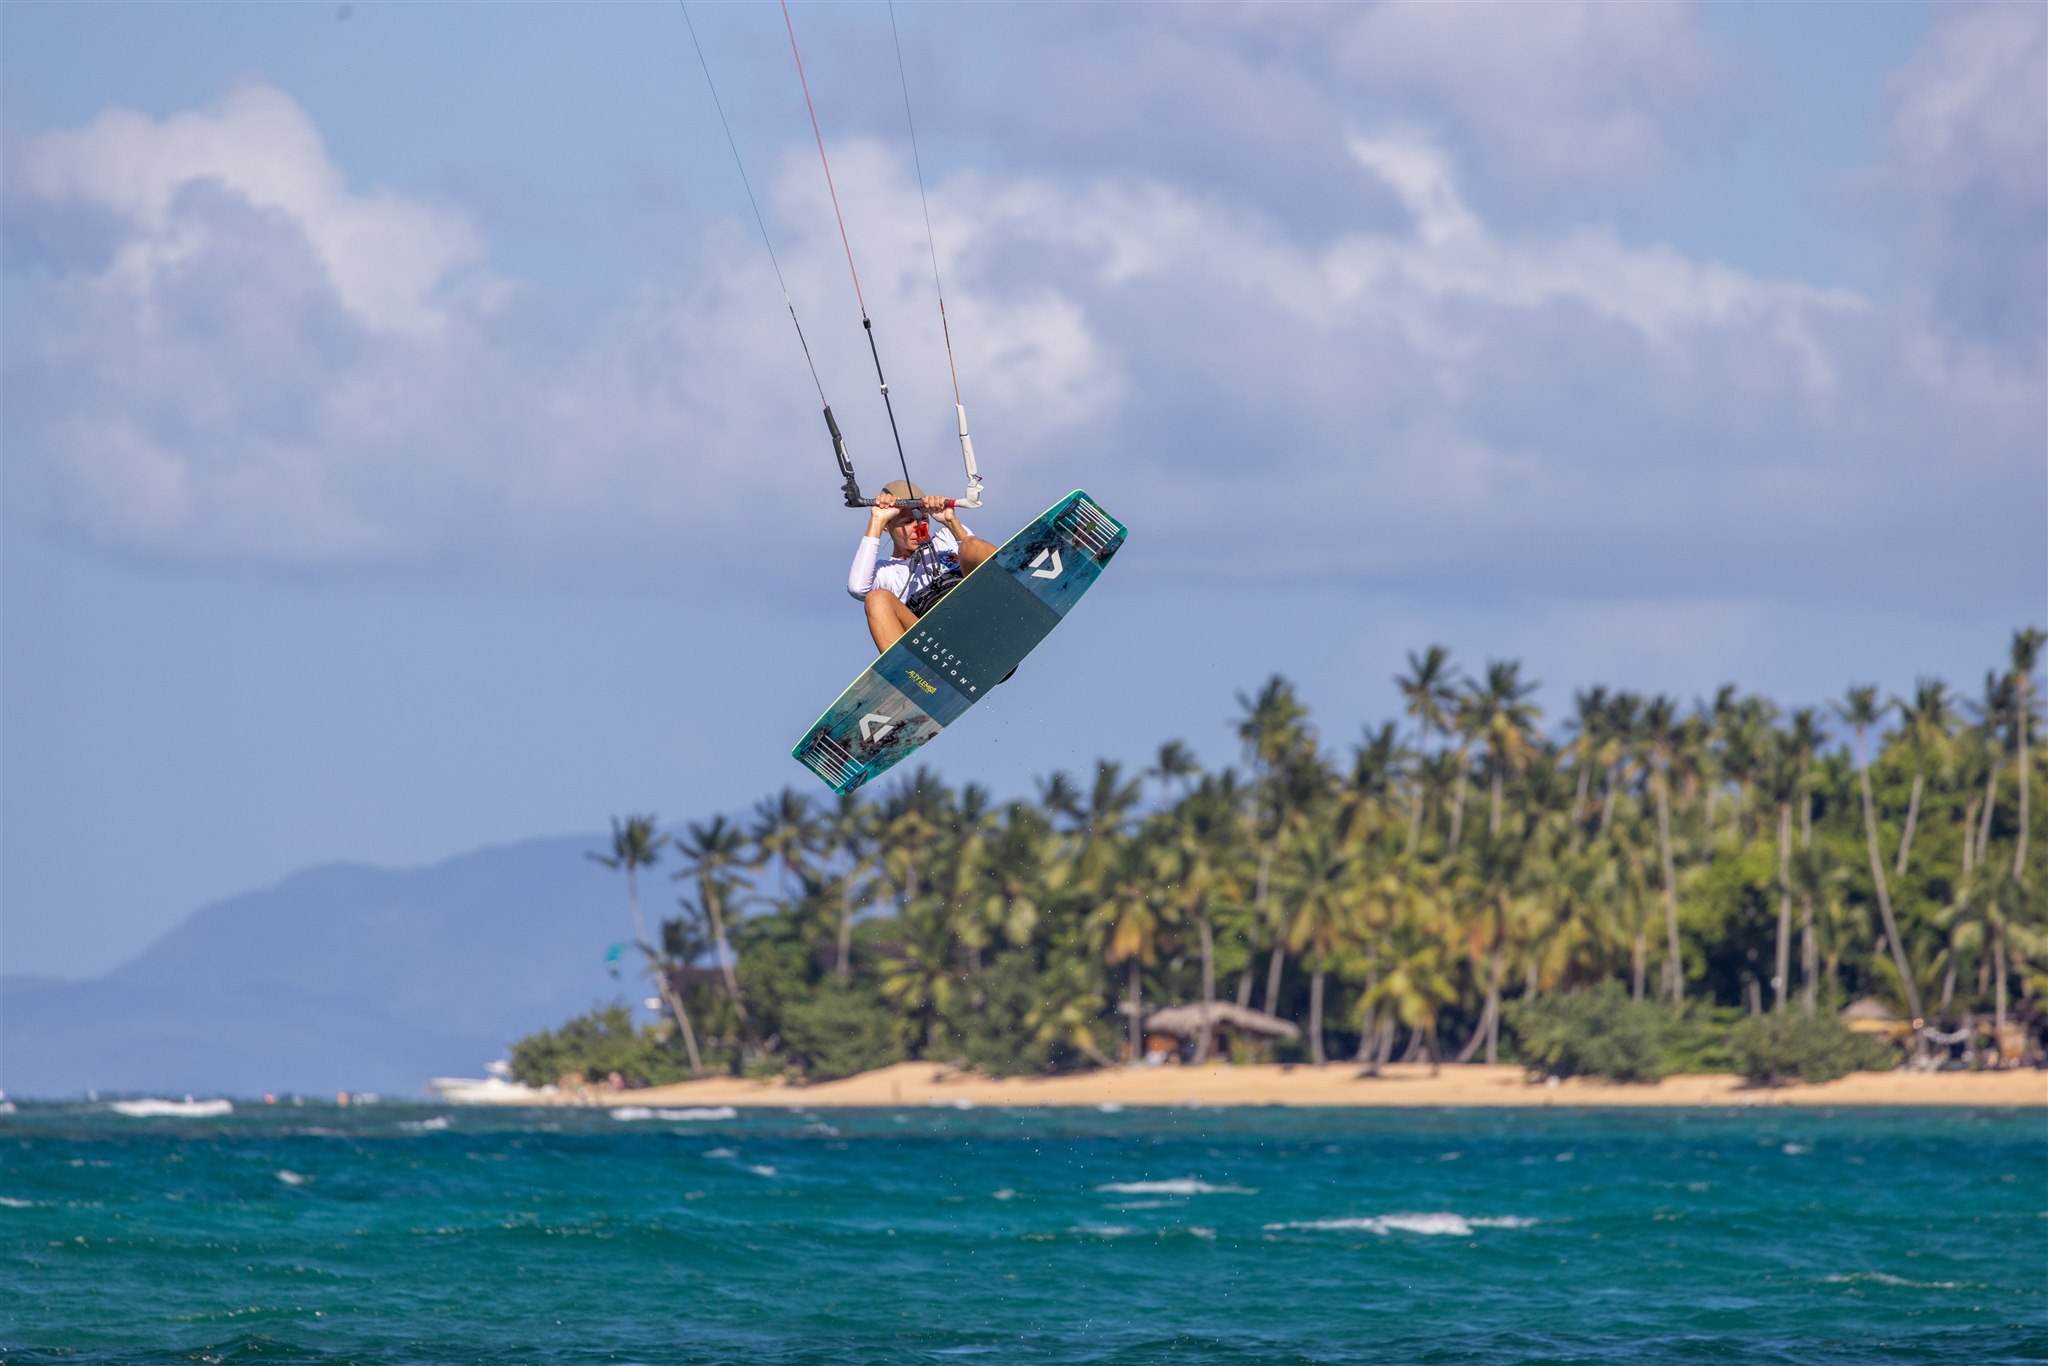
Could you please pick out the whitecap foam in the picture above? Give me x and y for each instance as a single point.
(1796, 1149)
(1110, 1107)
(9, 1202)
(292, 1178)
(720, 1152)
(425, 1126)
(762, 1171)
(1103, 1230)
(1183, 1185)
(632, 1112)
(1437, 1224)
(1886, 1278)
(1006, 1194)
(173, 1109)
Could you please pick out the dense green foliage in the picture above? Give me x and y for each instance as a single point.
(1394, 897)
(596, 1045)
(1598, 1032)
(1773, 1048)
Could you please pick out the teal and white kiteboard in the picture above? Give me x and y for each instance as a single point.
(968, 643)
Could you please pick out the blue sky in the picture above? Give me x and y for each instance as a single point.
(378, 380)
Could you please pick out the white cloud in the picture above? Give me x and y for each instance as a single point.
(386, 256)
(1964, 190)
(1444, 399)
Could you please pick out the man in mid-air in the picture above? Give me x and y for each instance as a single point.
(898, 590)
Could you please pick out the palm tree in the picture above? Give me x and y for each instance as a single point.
(1204, 829)
(1126, 924)
(1860, 709)
(636, 845)
(849, 832)
(1617, 744)
(1506, 723)
(2026, 655)
(785, 832)
(1416, 987)
(1271, 727)
(1427, 690)
(1317, 875)
(1780, 780)
(1587, 726)
(1497, 884)
(1657, 738)
(1924, 723)
(1176, 764)
(1803, 739)
(1994, 715)
(715, 850)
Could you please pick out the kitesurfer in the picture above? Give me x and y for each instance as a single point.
(898, 590)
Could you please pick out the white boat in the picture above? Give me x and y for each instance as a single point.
(187, 1108)
(496, 1089)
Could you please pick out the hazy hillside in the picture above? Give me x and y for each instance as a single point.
(338, 977)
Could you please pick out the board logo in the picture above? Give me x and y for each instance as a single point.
(1050, 573)
(875, 724)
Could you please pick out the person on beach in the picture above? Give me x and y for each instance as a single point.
(931, 554)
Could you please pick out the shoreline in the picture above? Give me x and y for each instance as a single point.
(1337, 1084)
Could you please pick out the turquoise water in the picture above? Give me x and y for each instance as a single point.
(403, 1234)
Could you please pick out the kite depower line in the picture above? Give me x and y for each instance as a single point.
(850, 483)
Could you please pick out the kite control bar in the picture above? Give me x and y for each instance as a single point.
(910, 505)
(850, 484)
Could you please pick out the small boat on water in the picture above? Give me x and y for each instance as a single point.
(187, 1108)
(496, 1089)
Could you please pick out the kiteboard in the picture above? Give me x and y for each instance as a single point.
(971, 641)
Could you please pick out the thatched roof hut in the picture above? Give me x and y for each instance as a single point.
(1185, 1022)
(1868, 1015)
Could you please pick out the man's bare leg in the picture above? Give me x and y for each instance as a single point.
(888, 618)
(974, 550)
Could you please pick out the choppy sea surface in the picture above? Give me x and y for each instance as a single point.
(417, 1234)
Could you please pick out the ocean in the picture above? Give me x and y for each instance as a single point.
(386, 1234)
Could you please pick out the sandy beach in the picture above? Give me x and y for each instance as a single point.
(918, 1083)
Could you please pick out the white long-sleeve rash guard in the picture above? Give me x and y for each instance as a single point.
(901, 577)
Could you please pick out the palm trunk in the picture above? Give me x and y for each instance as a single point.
(725, 968)
(1315, 1014)
(1137, 1026)
(1674, 966)
(1493, 1007)
(1607, 802)
(845, 968)
(2019, 849)
(1998, 980)
(1639, 966)
(1782, 986)
(1493, 813)
(1809, 957)
(1970, 839)
(1421, 795)
(1244, 980)
(1579, 797)
(1273, 966)
(1990, 806)
(1809, 938)
(673, 999)
(1458, 800)
(1206, 1040)
(633, 900)
(1912, 820)
(1884, 896)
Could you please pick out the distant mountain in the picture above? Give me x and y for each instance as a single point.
(339, 978)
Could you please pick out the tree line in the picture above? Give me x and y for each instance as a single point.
(1393, 895)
